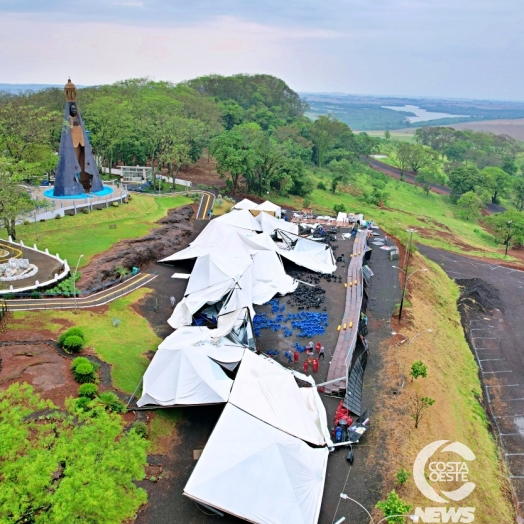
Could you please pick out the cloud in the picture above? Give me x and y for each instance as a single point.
(414, 47)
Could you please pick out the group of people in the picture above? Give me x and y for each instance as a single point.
(310, 350)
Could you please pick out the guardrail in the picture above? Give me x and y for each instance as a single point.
(38, 285)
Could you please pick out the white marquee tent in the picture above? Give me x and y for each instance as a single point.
(259, 473)
(264, 389)
(185, 369)
(269, 224)
(270, 208)
(245, 204)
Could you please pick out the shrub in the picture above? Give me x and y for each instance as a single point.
(74, 331)
(394, 507)
(140, 428)
(42, 220)
(401, 476)
(26, 222)
(79, 360)
(418, 369)
(111, 402)
(306, 202)
(114, 204)
(73, 344)
(58, 216)
(83, 403)
(84, 372)
(85, 211)
(88, 390)
(36, 295)
(322, 186)
(339, 208)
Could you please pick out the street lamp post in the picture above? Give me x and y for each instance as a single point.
(74, 280)
(406, 267)
(508, 236)
(406, 278)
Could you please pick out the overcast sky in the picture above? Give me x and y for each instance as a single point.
(448, 48)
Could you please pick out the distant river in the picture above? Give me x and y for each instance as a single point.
(421, 114)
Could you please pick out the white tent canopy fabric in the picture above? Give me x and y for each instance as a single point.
(270, 208)
(270, 393)
(316, 256)
(241, 219)
(184, 370)
(252, 470)
(269, 223)
(245, 204)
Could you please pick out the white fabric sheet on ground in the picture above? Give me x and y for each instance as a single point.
(261, 474)
(269, 223)
(270, 393)
(184, 370)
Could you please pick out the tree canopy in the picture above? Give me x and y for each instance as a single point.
(66, 467)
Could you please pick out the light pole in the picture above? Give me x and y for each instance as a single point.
(74, 280)
(406, 278)
(508, 236)
(413, 518)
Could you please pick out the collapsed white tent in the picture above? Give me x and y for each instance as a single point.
(259, 473)
(213, 277)
(241, 219)
(215, 237)
(316, 256)
(269, 224)
(269, 392)
(185, 369)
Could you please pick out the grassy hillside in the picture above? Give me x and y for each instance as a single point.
(453, 383)
(435, 218)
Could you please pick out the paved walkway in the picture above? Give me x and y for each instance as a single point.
(205, 205)
(97, 299)
(347, 337)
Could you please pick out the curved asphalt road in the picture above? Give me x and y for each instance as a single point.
(497, 341)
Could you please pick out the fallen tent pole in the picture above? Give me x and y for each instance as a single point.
(306, 283)
(330, 382)
(134, 392)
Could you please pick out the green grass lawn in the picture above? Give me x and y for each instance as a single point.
(434, 216)
(90, 234)
(123, 346)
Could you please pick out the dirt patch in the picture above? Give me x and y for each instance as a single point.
(204, 172)
(41, 366)
(479, 296)
(137, 252)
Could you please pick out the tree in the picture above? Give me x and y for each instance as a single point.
(14, 198)
(394, 506)
(429, 176)
(418, 406)
(339, 208)
(463, 179)
(234, 155)
(59, 468)
(507, 227)
(517, 192)
(419, 157)
(387, 135)
(418, 369)
(496, 181)
(470, 205)
(341, 173)
(400, 156)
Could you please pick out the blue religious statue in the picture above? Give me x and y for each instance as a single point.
(76, 172)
